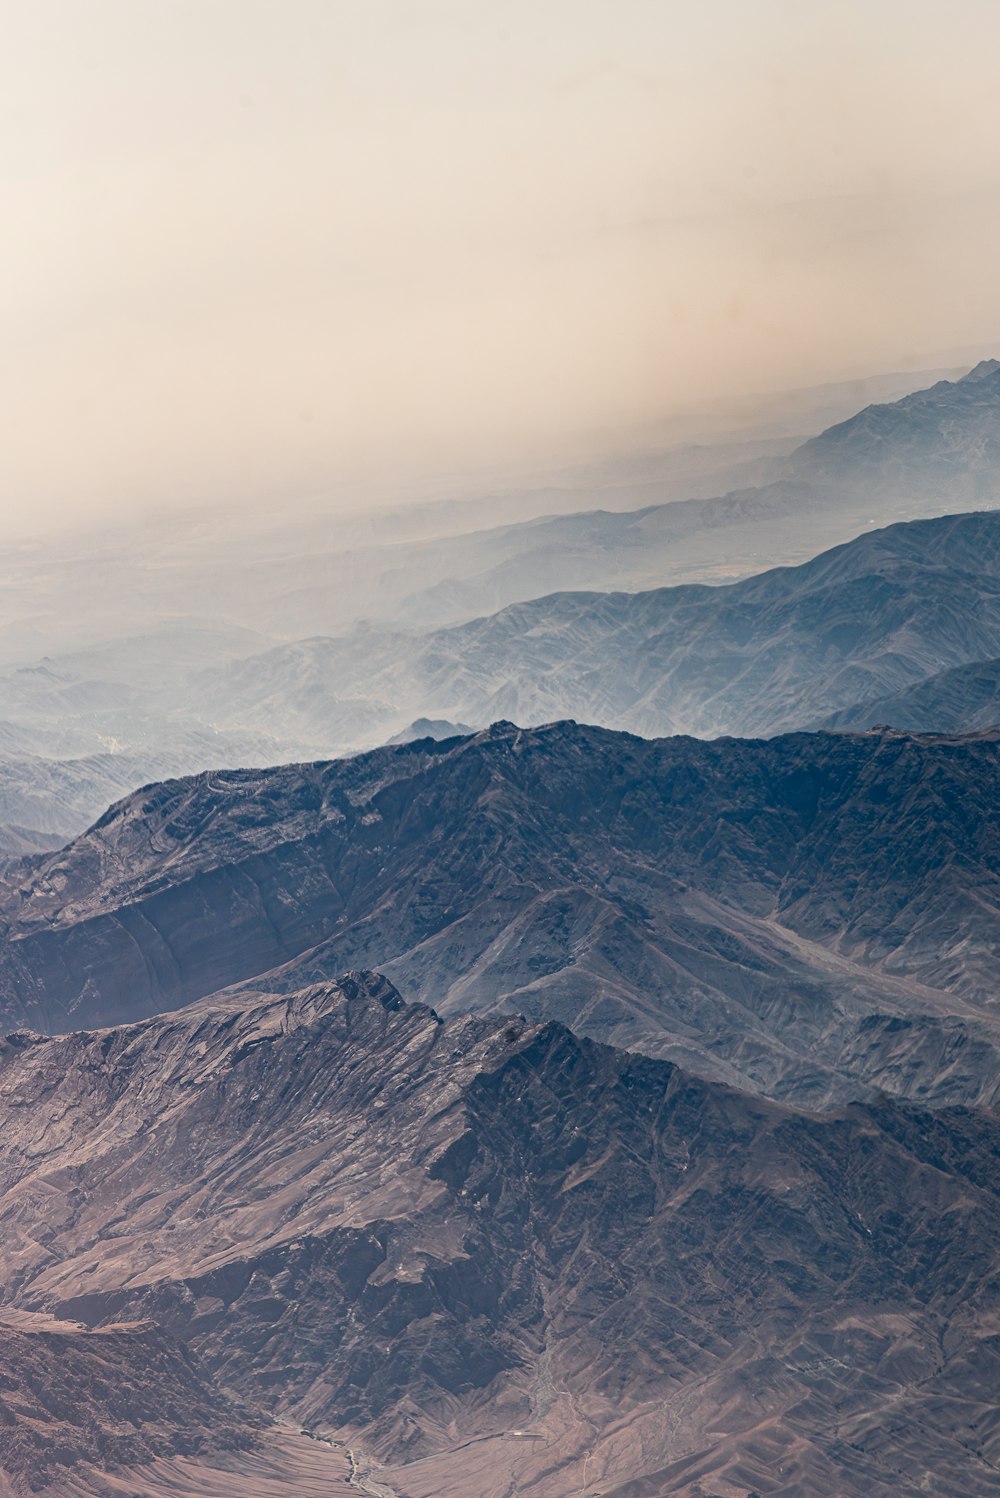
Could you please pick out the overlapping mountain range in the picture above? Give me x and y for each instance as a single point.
(778, 651)
(367, 649)
(603, 1106)
(804, 915)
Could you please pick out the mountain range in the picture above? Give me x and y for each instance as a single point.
(778, 651)
(494, 1257)
(931, 452)
(306, 637)
(960, 697)
(809, 916)
(864, 634)
(584, 1109)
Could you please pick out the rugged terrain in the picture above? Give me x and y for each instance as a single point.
(502, 1259)
(124, 1411)
(807, 916)
(417, 1232)
(73, 1400)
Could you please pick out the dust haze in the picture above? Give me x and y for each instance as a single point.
(253, 252)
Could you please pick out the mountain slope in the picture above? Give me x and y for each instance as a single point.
(125, 1410)
(930, 452)
(73, 1402)
(803, 915)
(766, 655)
(962, 697)
(505, 1259)
(70, 743)
(937, 440)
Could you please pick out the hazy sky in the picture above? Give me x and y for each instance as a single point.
(251, 245)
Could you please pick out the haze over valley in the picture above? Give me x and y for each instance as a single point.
(167, 692)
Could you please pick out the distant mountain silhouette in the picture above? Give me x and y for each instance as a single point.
(431, 728)
(940, 441)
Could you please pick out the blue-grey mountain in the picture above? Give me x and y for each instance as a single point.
(808, 916)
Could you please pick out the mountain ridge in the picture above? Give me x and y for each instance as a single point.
(536, 1258)
(768, 654)
(664, 894)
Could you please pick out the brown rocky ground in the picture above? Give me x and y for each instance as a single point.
(504, 1260)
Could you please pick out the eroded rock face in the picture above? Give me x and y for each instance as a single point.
(806, 916)
(418, 1233)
